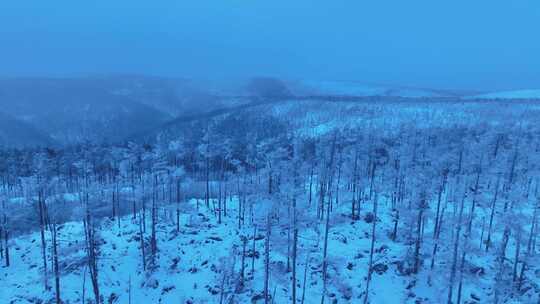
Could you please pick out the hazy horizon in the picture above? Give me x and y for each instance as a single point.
(485, 45)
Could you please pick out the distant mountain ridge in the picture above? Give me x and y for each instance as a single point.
(109, 108)
(60, 111)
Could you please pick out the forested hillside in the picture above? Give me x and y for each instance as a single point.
(98, 109)
(17, 133)
(294, 201)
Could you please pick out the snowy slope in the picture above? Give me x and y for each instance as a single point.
(192, 264)
(201, 263)
(351, 88)
(517, 94)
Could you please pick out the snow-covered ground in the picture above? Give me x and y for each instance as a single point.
(359, 89)
(201, 263)
(352, 88)
(516, 94)
(314, 118)
(192, 263)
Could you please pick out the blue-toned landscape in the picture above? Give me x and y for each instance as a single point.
(269, 152)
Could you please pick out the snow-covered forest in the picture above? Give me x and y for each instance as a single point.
(411, 199)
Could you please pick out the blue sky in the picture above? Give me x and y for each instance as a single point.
(477, 44)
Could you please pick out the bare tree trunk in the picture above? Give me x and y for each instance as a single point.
(134, 203)
(305, 280)
(56, 268)
(267, 259)
(222, 287)
(396, 223)
(475, 194)
(310, 186)
(436, 240)
(460, 285)
(533, 225)
(439, 198)
(243, 267)
(338, 181)
(113, 212)
(207, 193)
(465, 246)
(455, 254)
(372, 248)
(294, 252)
(329, 174)
(516, 259)
(482, 231)
(118, 210)
(178, 206)
(92, 252)
(43, 241)
(253, 251)
(83, 296)
(220, 204)
(1, 243)
(492, 215)
(289, 241)
(141, 236)
(143, 219)
(153, 237)
(225, 200)
(6, 245)
(418, 242)
(240, 203)
(354, 184)
(500, 261)
(325, 251)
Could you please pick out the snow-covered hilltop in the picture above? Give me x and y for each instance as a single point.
(517, 94)
(351, 88)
